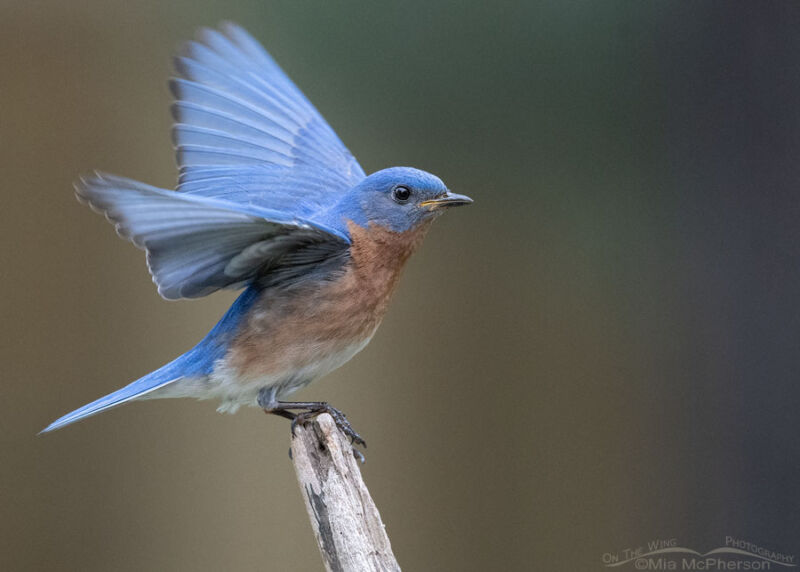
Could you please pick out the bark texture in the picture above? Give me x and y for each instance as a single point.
(346, 522)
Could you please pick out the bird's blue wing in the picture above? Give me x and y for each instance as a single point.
(196, 245)
(246, 134)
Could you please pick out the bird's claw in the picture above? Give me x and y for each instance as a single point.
(310, 411)
(359, 456)
(344, 426)
(297, 419)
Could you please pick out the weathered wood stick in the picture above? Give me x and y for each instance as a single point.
(346, 523)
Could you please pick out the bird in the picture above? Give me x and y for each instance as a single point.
(268, 201)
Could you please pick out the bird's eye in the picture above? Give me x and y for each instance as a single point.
(401, 193)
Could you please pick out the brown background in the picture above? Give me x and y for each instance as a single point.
(601, 351)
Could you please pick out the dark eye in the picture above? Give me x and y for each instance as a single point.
(401, 193)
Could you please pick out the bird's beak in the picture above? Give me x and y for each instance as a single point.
(446, 200)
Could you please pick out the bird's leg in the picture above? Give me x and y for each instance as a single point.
(308, 410)
(266, 400)
(283, 413)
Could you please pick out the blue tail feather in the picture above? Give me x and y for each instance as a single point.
(196, 362)
(152, 381)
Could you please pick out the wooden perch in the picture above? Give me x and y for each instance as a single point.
(346, 523)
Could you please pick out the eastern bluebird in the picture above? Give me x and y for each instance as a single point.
(269, 200)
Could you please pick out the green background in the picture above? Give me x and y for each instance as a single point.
(601, 351)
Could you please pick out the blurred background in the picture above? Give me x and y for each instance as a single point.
(603, 350)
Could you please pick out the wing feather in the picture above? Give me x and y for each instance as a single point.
(197, 245)
(259, 170)
(245, 132)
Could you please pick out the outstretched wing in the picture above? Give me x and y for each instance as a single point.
(246, 134)
(196, 245)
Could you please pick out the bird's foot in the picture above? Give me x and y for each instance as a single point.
(313, 409)
(308, 410)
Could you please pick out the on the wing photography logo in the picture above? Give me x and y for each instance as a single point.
(667, 554)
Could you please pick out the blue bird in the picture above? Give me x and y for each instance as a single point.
(269, 200)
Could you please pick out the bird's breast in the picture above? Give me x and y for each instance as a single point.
(317, 325)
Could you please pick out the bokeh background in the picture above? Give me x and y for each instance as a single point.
(603, 350)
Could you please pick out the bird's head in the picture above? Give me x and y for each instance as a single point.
(400, 198)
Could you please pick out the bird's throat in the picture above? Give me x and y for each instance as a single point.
(380, 252)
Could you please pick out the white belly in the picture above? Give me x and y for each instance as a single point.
(227, 384)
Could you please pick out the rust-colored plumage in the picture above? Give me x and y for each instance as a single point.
(291, 329)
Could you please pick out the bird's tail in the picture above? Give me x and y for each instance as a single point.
(157, 379)
(197, 362)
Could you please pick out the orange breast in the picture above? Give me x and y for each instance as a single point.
(289, 329)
